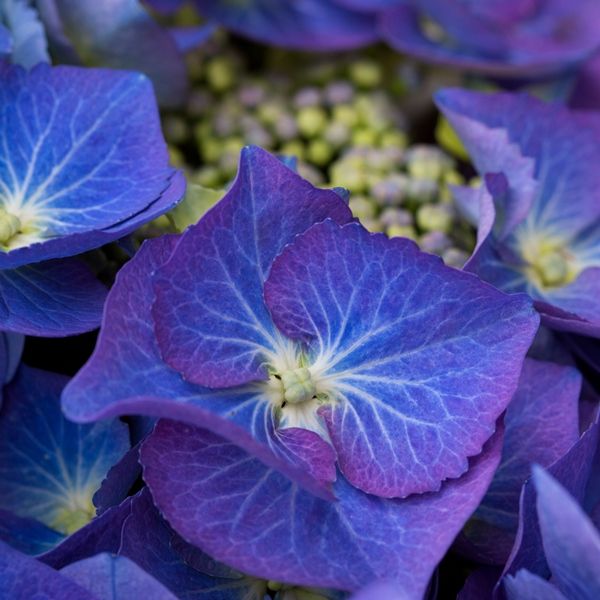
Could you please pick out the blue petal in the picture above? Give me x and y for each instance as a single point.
(5, 41)
(27, 535)
(572, 471)
(55, 298)
(258, 521)
(148, 540)
(115, 577)
(78, 169)
(24, 578)
(571, 541)
(141, 383)
(121, 34)
(416, 361)
(101, 534)
(527, 586)
(49, 467)
(210, 318)
(542, 424)
(30, 46)
(303, 24)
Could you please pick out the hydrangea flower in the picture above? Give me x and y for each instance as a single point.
(303, 25)
(537, 211)
(82, 163)
(49, 467)
(281, 325)
(514, 38)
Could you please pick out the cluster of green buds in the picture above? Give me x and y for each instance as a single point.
(343, 117)
(407, 192)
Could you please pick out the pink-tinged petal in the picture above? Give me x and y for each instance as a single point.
(418, 360)
(242, 513)
(210, 318)
(126, 375)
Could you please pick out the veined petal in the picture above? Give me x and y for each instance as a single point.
(417, 360)
(210, 318)
(126, 375)
(81, 152)
(49, 467)
(54, 298)
(233, 507)
(115, 577)
(24, 577)
(571, 541)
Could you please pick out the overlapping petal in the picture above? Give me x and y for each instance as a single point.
(119, 34)
(418, 360)
(24, 578)
(258, 521)
(304, 24)
(542, 424)
(49, 467)
(210, 318)
(515, 39)
(549, 212)
(115, 577)
(126, 375)
(572, 471)
(53, 298)
(74, 163)
(571, 542)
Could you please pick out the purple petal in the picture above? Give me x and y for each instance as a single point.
(571, 542)
(553, 204)
(5, 41)
(121, 35)
(236, 509)
(303, 24)
(27, 535)
(210, 318)
(577, 305)
(55, 298)
(517, 39)
(572, 471)
(119, 480)
(50, 467)
(24, 578)
(101, 534)
(417, 363)
(527, 586)
(80, 170)
(586, 94)
(126, 375)
(148, 540)
(541, 426)
(115, 577)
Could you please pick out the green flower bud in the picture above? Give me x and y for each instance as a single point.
(454, 257)
(345, 114)
(366, 73)
(294, 148)
(405, 231)
(362, 207)
(220, 74)
(435, 217)
(311, 121)
(319, 152)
